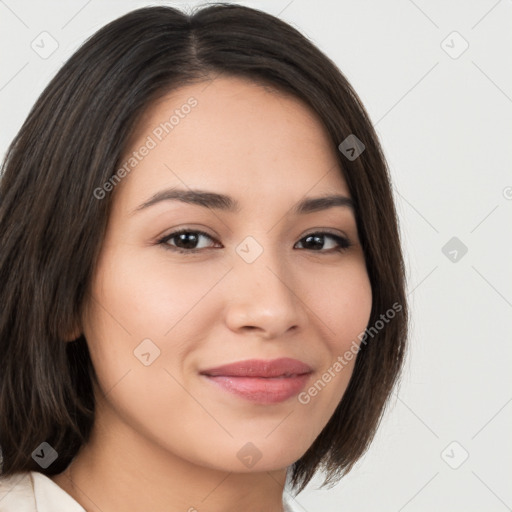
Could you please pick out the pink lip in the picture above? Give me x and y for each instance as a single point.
(261, 381)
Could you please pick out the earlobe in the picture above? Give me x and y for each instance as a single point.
(72, 335)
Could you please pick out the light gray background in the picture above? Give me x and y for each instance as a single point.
(445, 124)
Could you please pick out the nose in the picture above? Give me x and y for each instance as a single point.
(264, 297)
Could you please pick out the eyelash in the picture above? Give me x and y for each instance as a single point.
(343, 243)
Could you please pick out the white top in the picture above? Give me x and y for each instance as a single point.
(32, 491)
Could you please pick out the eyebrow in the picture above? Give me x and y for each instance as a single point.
(228, 204)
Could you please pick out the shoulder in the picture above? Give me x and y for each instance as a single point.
(17, 493)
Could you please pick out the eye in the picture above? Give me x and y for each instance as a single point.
(188, 241)
(315, 241)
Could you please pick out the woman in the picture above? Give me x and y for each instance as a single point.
(203, 287)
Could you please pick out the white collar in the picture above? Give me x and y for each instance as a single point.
(50, 497)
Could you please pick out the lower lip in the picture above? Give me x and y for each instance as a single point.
(262, 390)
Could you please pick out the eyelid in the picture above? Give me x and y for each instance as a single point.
(186, 228)
(327, 231)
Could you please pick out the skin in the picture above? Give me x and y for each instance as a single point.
(164, 438)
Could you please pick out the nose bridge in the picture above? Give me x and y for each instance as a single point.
(264, 295)
(259, 261)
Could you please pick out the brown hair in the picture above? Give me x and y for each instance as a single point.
(52, 225)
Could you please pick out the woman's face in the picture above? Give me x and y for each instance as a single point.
(256, 285)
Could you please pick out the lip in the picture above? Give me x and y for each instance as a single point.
(261, 381)
(265, 368)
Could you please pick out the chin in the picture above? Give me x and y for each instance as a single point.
(254, 456)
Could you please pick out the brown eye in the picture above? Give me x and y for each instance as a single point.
(185, 240)
(316, 241)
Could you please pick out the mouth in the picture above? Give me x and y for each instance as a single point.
(261, 381)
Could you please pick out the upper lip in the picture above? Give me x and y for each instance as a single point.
(284, 366)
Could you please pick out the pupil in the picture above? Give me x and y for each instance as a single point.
(318, 241)
(188, 240)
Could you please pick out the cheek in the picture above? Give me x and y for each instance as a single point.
(342, 303)
(143, 309)
(148, 297)
(137, 299)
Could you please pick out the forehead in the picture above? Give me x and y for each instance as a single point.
(235, 136)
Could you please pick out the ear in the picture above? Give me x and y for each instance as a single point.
(72, 335)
